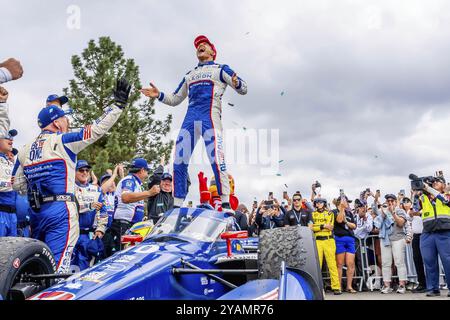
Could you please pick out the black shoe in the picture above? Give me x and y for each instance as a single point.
(337, 292)
(433, 293)
(419, 289)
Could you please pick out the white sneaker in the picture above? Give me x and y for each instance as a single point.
(386, 290)
(401, 289)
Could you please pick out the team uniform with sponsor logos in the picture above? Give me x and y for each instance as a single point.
(126, 214)
(205, 86)
(8, 218)
(48, 165)
(5, 76)
(91, 220)
(326, 246)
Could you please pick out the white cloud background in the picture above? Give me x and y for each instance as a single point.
(366, 84)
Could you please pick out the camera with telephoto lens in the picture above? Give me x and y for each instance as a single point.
(418, 183)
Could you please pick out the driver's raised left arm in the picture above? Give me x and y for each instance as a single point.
(226, 76)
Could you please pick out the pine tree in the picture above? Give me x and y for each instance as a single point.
(136, 133)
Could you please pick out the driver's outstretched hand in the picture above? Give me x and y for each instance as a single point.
(151, 92)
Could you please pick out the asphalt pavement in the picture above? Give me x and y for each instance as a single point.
(376, 295)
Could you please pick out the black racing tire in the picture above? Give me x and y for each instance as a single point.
(19, 256)
(295, 245)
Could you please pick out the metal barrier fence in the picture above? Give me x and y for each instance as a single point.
(368, 272)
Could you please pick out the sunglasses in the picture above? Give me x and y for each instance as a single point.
(296, 199)
(83, 170)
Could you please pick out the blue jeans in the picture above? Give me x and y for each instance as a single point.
(433, 245)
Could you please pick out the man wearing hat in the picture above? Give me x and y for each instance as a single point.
(130, 198)
(163, 200)
(435, 238)
(92, 216)
(45, 170)
(205, 86)
(8, 218)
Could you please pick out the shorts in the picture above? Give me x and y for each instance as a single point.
(345, 244)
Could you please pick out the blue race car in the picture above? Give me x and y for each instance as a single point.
(191, 253)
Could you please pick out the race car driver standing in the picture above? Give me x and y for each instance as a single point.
(92, 216)
(205, 86)
(45, 170)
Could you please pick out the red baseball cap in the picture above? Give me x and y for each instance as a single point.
(201, 39)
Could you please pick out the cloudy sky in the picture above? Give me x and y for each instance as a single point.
(359, 90)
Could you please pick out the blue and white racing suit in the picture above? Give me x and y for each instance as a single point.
(130, 212)
(8, 218)
(48, 164)
(205, 86)
(5, 76)
(90, 219)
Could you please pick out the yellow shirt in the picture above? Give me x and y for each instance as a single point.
(321, 218)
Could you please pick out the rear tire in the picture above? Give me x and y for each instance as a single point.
(20, 256)
(295, 245)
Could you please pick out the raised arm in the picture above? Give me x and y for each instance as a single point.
(4, 118)
(173, 99)
(75, 142)
(229, 77)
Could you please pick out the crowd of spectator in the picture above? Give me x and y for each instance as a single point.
(101, 211)
(386, 225)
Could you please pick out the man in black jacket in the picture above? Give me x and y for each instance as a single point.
(163, 201)
(301, 213)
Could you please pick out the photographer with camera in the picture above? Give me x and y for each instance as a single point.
(416, 230)
(323, 224)
(391, 221)
(269, 214)
(301, 212)
(435, 238)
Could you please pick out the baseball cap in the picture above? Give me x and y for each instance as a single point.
(439, 178)
(323, 200)
(338, 199)
(82, 164)
(139, 163)
(406, 199)
(62, 99)
(166, 175)
(50, 113)
(105, 177)
(359, 203)
(201, 39)
(10, 135)
(390, 196)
